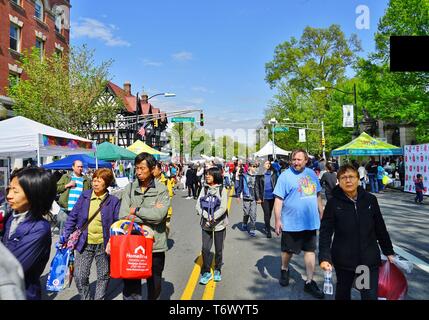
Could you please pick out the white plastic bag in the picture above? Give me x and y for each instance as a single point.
(403, 264)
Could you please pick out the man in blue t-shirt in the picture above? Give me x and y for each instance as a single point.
(298, 210)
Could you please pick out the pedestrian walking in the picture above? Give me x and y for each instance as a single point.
(264, 188)
(298, 210)
(191, 180)
(148, 200)
(371, 168)
(418, 182)
(93, 214)
(356, 241)
(212, 205)
(159, 175)
(71, 186)
(27, 233)
(329, 181)
(363, 175)
(249, 200)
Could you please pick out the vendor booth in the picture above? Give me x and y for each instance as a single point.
(87, 161)
(365, 145)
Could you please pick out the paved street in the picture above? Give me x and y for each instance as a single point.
(251, 265)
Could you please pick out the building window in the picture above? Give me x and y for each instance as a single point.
(17, 2)
(14, 37)
(58, 23)
(13, 79)
(40, 46)
(59, 53)
(38, 10)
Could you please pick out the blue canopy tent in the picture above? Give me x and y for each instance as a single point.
(67, 162)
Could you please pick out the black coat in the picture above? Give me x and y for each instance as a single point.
(358, 230)
(260, 185)
(191, 177)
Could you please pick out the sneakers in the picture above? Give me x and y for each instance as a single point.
(205, 278)
(252, 233)
(284, 278)
(314, 290)
(217, 276)
(243, 227)
(188, 198)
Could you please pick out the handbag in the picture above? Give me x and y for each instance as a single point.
(130, 255)
(74, 237)
(61, 270)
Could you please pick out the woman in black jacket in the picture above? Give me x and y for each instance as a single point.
(264, 189)
(353, 216)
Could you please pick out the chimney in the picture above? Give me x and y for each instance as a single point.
(144, 97)
(127, 88)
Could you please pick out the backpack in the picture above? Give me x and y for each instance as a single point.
(211, 203)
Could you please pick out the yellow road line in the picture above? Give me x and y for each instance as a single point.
(209, 291)
(193, 279)
(210, 288)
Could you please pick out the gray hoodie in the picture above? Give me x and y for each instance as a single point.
(11, 276)
(214, 190)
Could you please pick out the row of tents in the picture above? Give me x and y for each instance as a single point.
(24, 138)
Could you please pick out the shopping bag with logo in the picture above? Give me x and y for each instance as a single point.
(61, 271)
(131, 254)
(392, 284)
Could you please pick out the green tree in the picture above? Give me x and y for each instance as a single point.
(63, 92)
(319, 58)
(400, 97)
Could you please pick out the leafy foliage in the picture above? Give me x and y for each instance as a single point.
(63, 92)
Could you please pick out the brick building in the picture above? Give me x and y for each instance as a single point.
(24, 24)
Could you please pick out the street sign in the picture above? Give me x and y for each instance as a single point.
(281, 129)
(182, 119)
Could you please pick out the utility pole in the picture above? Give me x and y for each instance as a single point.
(323, 140)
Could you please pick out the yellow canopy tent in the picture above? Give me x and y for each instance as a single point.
(139, 147)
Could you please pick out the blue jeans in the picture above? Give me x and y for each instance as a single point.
(380, 184)
(373, 182)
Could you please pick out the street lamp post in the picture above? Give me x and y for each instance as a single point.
(273, 123)
(356, 132)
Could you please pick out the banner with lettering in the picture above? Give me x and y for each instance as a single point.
(416, 161)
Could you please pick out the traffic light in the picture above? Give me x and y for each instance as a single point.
(202, 119)
(323, 142)
(155, 123)
(112, 139)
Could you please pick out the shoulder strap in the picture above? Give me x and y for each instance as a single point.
(95, 214)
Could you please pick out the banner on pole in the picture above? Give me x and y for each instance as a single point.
(302, 137)
(348, 116)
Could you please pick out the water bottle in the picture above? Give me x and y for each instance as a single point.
(328, 288)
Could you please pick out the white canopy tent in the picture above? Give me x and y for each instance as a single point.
(24, 138)
(268, 150)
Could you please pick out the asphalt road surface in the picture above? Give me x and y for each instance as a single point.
(251, 267)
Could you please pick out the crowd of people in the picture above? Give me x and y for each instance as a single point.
(289, 188)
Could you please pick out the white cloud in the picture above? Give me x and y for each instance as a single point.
(94, 29)
(150, 63)
(196, 101)
(202, 89)
(182, 56)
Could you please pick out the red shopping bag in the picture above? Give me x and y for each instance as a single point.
(392, 284)
(130, 256)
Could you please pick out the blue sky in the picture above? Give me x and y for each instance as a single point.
(211, 53)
